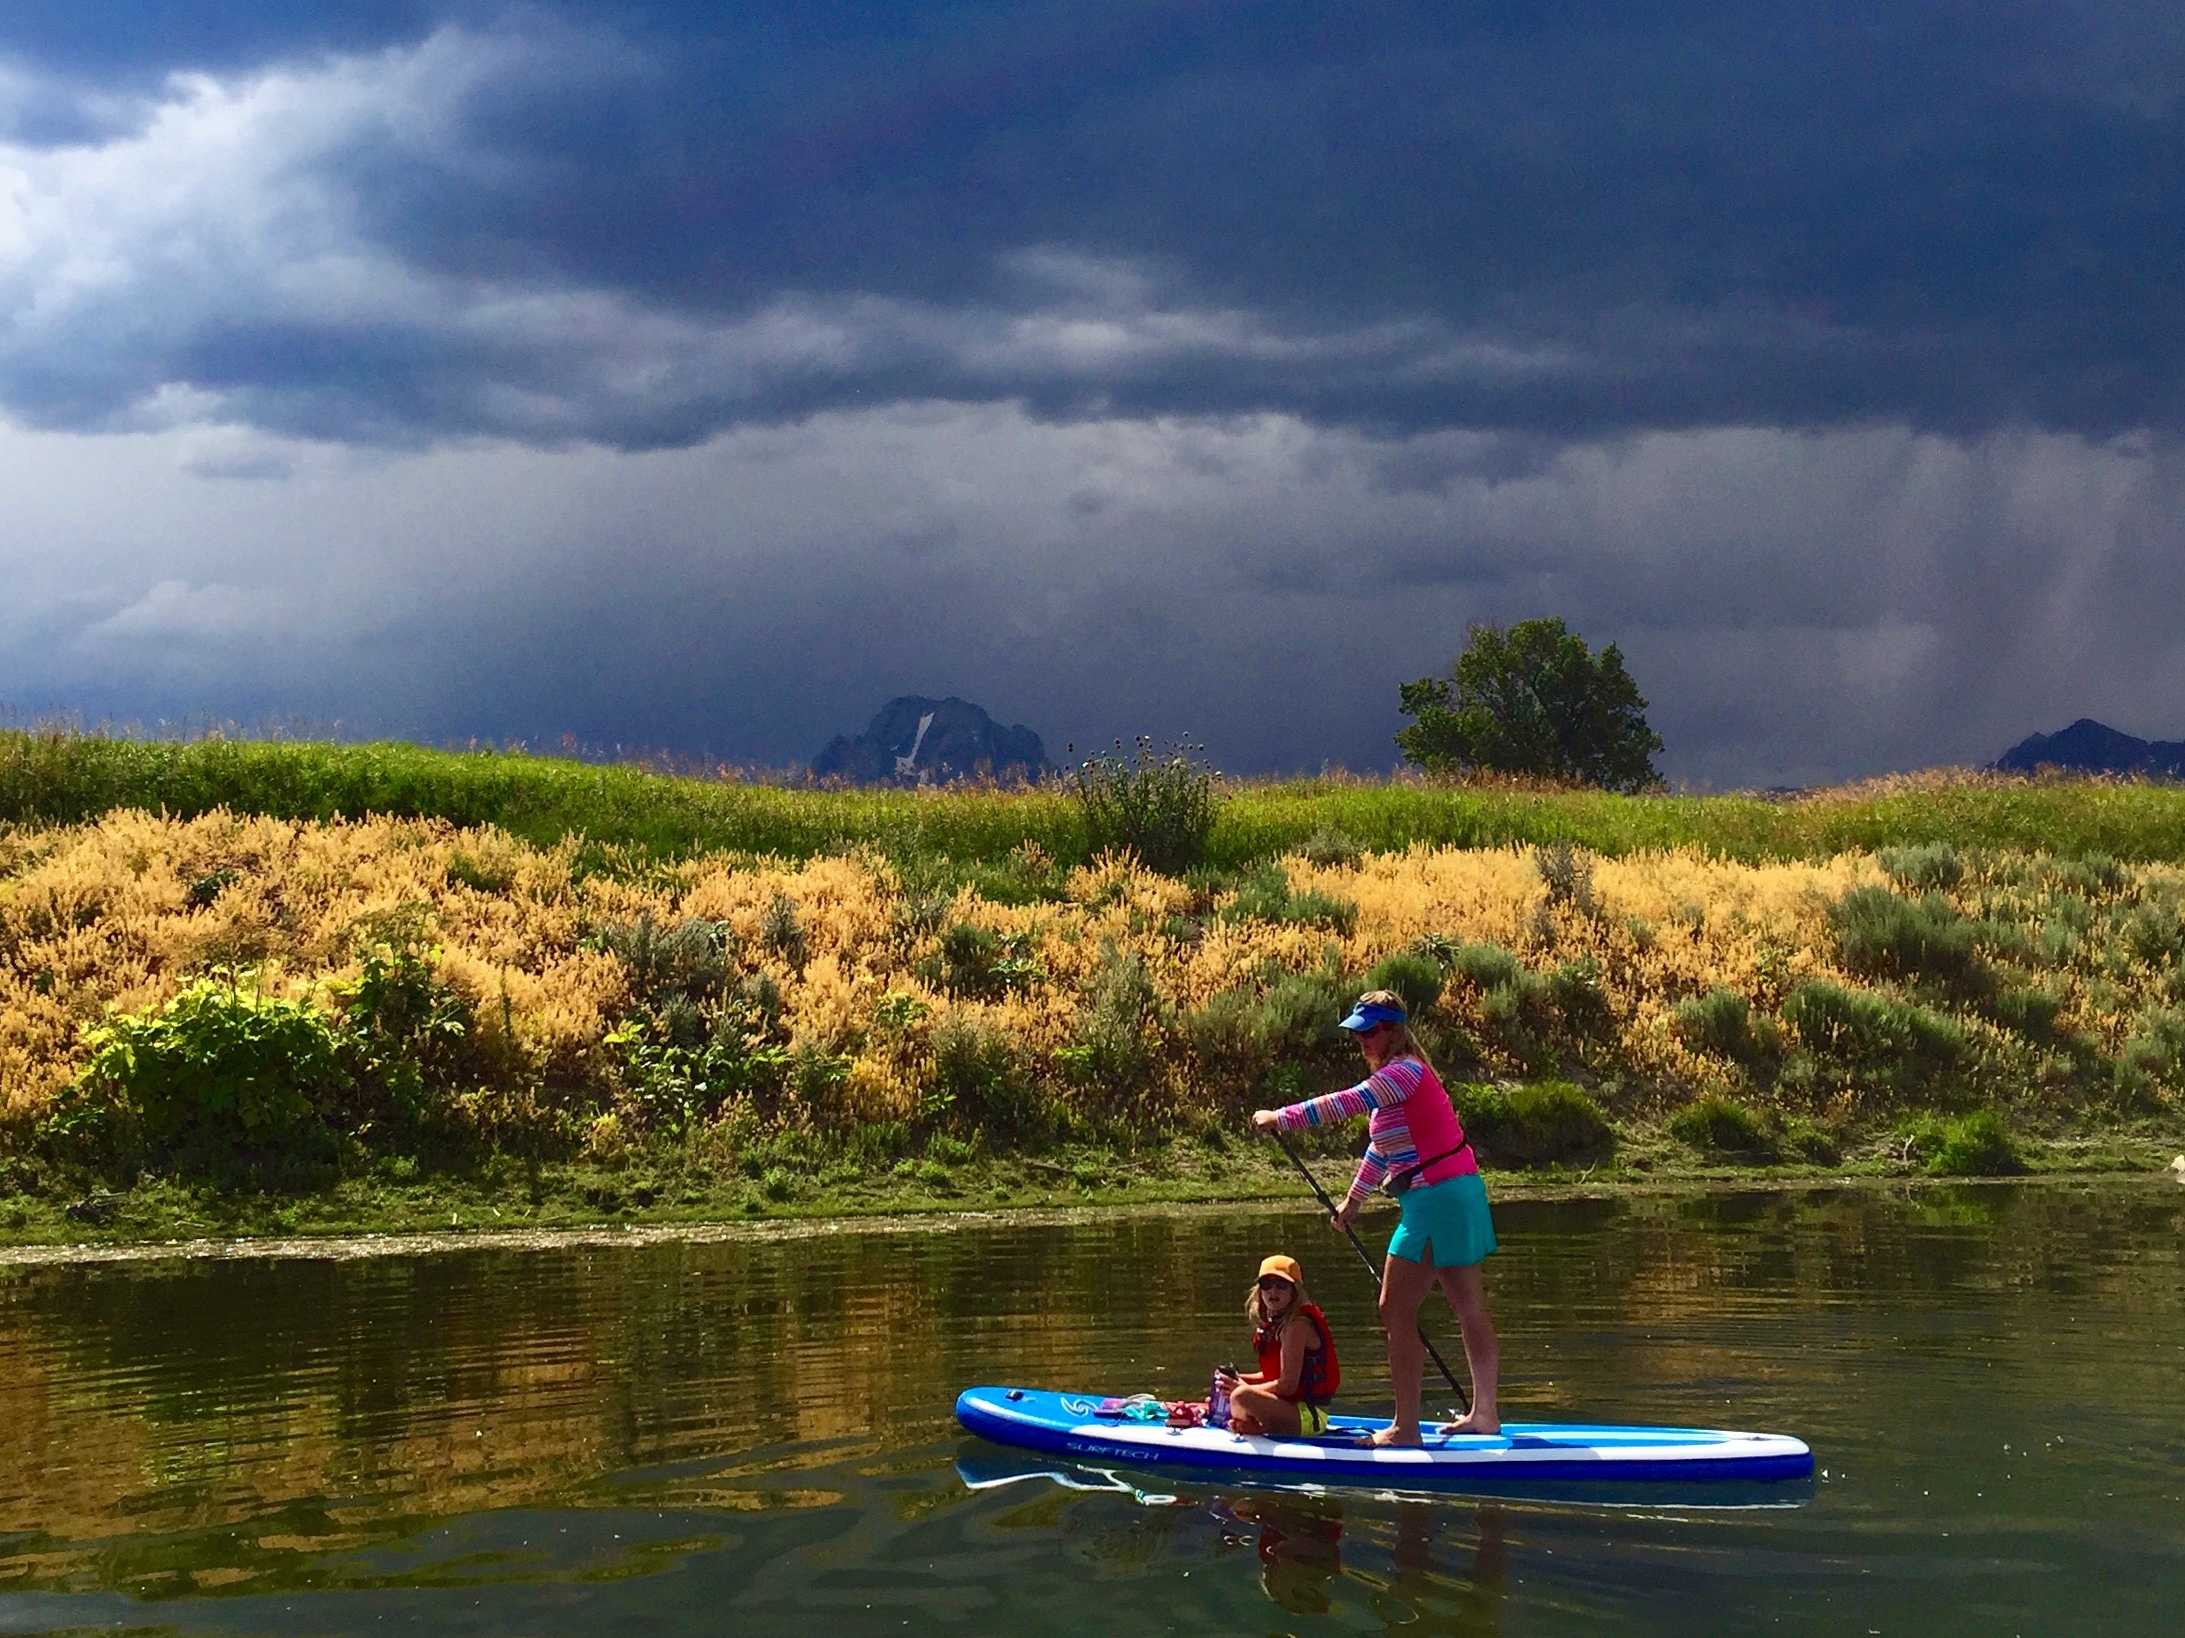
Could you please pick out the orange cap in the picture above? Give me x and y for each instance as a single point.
(1283, 1268)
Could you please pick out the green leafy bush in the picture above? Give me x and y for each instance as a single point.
(409, 1034)
(1159, 806)
(1723, 1126)
(1550, 1123)
(222, 1078)
(1976, 1145)
(674, 1087)
(226, 1080)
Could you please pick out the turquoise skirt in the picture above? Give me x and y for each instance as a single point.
(1445, 1224)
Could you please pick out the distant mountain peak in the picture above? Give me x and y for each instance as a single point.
(2088, 746)
(919, 741)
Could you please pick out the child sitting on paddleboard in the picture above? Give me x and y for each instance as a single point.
(1288, 1394)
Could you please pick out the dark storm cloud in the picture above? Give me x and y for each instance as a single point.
(641, 224)
(702, 376)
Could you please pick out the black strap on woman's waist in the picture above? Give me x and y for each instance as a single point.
(1400, 1182)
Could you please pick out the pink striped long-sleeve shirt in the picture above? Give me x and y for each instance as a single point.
(1381, 1095)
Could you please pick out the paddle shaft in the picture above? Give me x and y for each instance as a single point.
(1373, 1268)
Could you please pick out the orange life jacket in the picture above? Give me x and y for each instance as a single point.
(1317, 1382)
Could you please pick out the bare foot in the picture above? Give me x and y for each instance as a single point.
(1474, 1423)
(1388, 1437)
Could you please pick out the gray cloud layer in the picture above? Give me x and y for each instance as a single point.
(1799, 605)
(1145, 365)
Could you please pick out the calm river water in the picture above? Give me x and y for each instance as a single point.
(755, 1438)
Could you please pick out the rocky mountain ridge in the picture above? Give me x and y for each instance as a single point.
(919, 741)
(2088, 746)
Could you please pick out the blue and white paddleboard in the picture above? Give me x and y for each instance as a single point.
(1065, 1424)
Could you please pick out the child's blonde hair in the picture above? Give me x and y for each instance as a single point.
(1258, 1315)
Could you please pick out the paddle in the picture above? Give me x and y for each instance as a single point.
(1373, 1268)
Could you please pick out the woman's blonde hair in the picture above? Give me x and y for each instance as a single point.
(1407, 1044)
(1258, 1315)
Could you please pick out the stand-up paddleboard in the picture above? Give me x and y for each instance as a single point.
(1068, 1424)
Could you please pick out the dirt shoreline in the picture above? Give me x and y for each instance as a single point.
(356, 1246)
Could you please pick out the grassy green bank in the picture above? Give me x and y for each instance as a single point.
(58, 778)
(658, 1192)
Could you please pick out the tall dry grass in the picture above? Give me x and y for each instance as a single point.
(1133, 998)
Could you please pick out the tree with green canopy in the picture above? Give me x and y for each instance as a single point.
(1533, 700)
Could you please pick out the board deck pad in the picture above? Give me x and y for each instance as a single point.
(1065, 1424)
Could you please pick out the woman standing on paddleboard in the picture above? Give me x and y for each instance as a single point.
(1415, 1141)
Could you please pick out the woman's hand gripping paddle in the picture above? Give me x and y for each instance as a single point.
(1366, 1257)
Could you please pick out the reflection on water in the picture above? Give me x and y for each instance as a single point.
(759, 1434)
(1299, 1540)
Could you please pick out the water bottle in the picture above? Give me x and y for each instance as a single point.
(1217, 1403)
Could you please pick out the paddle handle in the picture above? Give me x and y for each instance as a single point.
(1373, 1268)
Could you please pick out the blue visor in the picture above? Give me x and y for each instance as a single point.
(1366, 1015)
